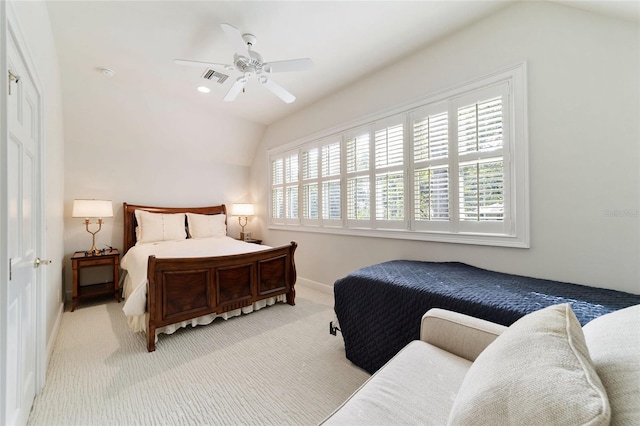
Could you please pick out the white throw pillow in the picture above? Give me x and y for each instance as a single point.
(538, 372)
(207, 225)
(614, 345)
(154, 227)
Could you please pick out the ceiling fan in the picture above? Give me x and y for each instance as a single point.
(250, 64)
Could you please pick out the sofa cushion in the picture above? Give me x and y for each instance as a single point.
(538, 372)
(417, 386)
(614, 344)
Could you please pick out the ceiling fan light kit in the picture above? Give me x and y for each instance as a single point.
(250, 64)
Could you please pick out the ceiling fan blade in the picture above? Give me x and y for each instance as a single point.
(232, 94)
(235, 38)
(277, 90)
(200, 64)
(302, 64)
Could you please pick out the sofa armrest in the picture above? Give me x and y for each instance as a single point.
(462, 335)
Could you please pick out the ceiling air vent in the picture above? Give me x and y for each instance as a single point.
(210, 74)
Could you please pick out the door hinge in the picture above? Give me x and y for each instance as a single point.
(12, 77)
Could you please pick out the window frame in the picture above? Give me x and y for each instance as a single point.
(513, 231)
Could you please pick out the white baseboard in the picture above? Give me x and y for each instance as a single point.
(54, 333)
(323, 288)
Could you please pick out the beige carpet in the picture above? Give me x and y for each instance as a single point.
(275, 366)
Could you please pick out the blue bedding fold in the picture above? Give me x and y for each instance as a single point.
(379, 307)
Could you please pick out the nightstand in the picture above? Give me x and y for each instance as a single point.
(80, 260)
(252, 241)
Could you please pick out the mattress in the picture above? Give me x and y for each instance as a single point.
(379, 307)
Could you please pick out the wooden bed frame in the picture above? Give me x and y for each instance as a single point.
(181, 289)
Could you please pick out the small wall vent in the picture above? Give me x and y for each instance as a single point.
(210, 74)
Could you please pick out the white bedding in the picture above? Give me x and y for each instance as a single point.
(135, 264)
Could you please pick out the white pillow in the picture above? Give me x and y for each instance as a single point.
(153, 227)
(207, 225)
(614, 346)
(538, 372)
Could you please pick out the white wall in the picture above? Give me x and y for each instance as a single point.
(34, 22)
(584, 104)
(137, 147)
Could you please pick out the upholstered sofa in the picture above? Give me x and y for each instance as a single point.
(542, 370)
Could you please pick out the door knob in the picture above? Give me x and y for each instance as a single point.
(12, 77)
(39, 262)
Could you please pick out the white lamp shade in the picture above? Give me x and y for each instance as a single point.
(92, 208)
(242, 210)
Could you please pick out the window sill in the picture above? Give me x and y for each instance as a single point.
(497, 240)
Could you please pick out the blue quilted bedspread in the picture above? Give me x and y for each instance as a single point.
(379, 307)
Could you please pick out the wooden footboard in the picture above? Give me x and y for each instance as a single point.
(185, 288)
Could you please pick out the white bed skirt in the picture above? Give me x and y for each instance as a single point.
(139, 322)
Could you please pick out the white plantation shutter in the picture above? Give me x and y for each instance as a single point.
(430, 165)
(291, 168)
(442, 169)
(358, 176)
(431, 196)
(285, 189)
(359, 198)
(389, 172)
(310, 160)
(310, 198)
(310, 185)
(277, 203)
(277, 171)
(331, 160)
(291, 181)
(358, 152)
(481, 190)
(291, 206)
(331, 209)
(291, 172)
(331, 185)
(390, 196)
(277, 191)
(389, 143)
(430, 135)
(480, 126)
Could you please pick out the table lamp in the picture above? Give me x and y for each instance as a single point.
(92, 209)
(243, 211)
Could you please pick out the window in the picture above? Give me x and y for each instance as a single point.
(451, 167)
(284, 189)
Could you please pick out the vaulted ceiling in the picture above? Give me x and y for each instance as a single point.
(347, 40)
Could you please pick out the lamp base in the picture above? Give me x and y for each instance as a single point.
(93, 251)
(244, 236)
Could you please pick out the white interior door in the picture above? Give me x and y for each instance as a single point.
(23, 206)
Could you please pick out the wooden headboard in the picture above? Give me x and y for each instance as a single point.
(130, 218)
